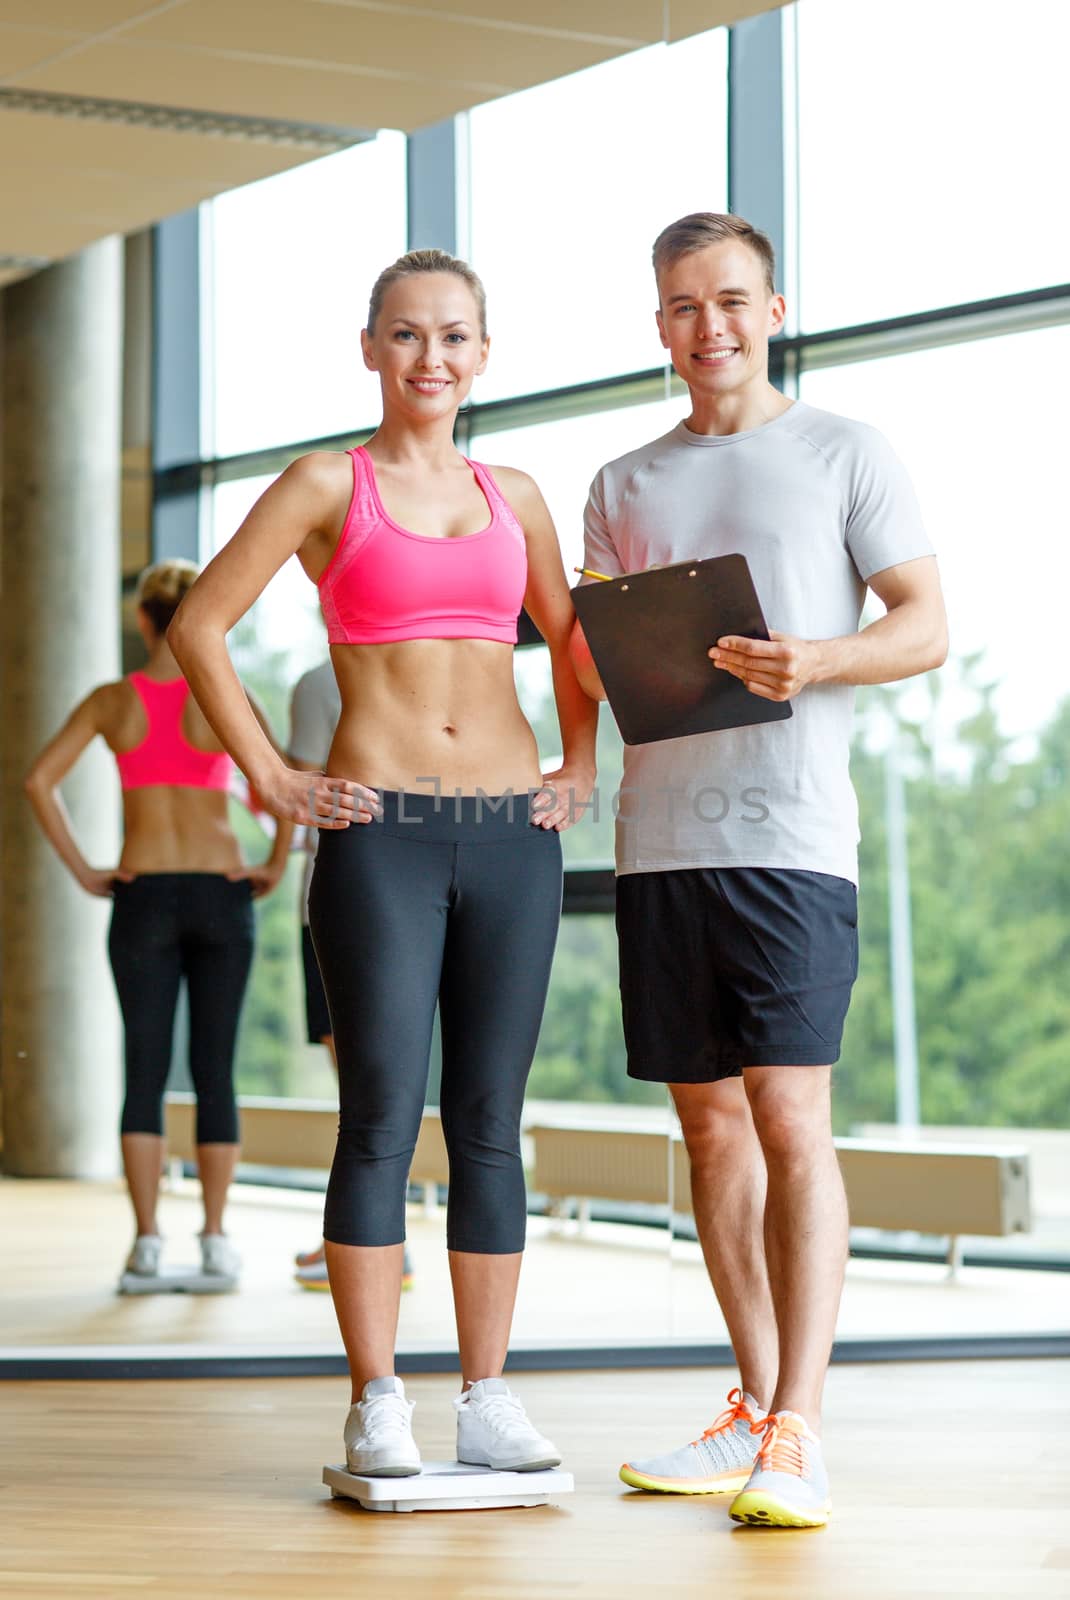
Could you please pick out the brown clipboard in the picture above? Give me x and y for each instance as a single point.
(649, 634)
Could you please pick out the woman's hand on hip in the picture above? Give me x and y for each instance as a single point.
(563, 799)
(319, 801)
(262, 877)
(102, 880)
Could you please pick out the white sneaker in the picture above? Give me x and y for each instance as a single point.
(144, 1258)
(378, 1432)
(493, 1430)
(219, 1259)
(719, 1461)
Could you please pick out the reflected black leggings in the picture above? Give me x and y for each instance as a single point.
(458, 906)
(166, 926)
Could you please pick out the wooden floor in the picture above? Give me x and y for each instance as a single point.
(61, 1246)
(949, 1480)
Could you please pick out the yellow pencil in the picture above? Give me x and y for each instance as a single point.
(585, 572)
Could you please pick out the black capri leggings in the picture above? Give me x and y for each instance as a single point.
(166, 926)
(449, 901)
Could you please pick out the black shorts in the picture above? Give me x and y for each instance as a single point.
(723, 968)
(317, 1017)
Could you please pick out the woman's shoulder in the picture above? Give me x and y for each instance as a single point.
(518, 487)
(320, 471)
(117, 693)
(109, 704)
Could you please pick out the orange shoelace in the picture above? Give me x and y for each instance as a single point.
(737, 1410)
(781, 1447)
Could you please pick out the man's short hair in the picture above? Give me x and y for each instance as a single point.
(703, 228)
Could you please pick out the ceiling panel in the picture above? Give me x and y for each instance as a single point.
(354, 65)
(108, 202)
(66, 144)
(423, 47)
(27, 47)
(53, 237)
(79, 16)
(343, 97)
(626, 22)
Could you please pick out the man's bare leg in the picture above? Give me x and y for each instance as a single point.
(728, 1191)
(805, 1226)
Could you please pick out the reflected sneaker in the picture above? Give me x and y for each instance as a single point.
(312, 1274)
(144, 1258)
(493, 1430)
(719, 1462)
(378, 1432)
(789, 1487)
(219, 1259)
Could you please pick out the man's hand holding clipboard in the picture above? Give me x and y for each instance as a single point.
(654, 639)
(775, 668)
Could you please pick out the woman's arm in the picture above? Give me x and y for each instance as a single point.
(549, 605)
(583, 662)
(298, 513)
(47, 773)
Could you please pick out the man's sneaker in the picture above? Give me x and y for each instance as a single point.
(493, 1430)
(219, 1259)
(144, 1258)
(313, 1273)
(378, 1432)
(789, 1487)
(719, 1462)
(310, 1258)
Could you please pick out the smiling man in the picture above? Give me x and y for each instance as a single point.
(738, 927)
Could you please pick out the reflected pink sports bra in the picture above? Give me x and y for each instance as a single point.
(384, 583)
(165, 755)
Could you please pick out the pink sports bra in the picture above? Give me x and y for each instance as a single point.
(384, 583)
(165, 755)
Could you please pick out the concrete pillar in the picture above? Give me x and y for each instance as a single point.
(59, 637)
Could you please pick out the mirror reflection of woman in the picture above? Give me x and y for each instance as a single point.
(424, 891)
(181, 909)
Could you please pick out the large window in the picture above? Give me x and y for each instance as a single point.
(980, 745)
(570, 184)
(292, 260)
(989, 478)
(931, 142)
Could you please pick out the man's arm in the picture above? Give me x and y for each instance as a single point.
(910, 638)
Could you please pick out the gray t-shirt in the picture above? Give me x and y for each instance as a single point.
(314, 711)
(818, 504)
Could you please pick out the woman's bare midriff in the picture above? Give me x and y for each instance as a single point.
(172, 829)
(432, 714)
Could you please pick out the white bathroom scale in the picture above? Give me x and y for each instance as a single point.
(450, 1486)
(176, 1280)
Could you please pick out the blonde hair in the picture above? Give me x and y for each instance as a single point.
(703, 228)
(160, 589)
(416, 261)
